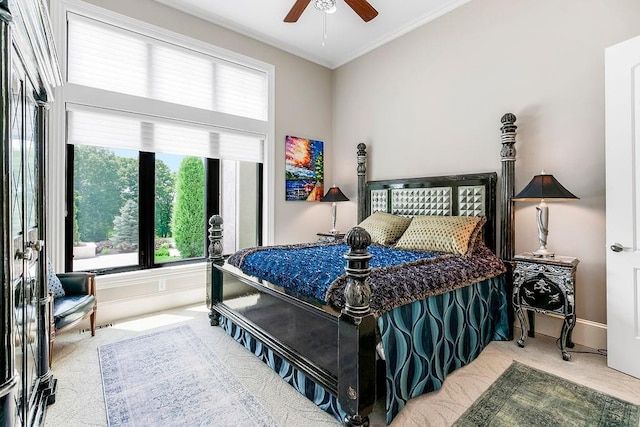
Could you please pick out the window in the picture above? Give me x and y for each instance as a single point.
(161, 132)
(105, 207)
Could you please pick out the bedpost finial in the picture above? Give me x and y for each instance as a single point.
(508, 130)
(358, 239)
(357, 292)
(508, 118)
(362, 148)
(215, 220)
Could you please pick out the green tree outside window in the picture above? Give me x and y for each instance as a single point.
(187, 223)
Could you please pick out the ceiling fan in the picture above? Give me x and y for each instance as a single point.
(361, 7)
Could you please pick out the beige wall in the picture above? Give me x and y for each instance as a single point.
(430, 103)
(303, 102)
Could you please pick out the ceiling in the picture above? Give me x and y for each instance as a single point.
(348, 36)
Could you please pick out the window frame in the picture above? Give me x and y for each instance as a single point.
(146, 204)
(59, 163)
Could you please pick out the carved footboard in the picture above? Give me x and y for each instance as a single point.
(352, 381)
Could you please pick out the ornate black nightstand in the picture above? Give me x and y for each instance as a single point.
(546, 285)
(330, 237)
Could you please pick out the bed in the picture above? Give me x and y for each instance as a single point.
(370, 332)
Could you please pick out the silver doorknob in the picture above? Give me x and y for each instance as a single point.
(37, 245)
(617, 247)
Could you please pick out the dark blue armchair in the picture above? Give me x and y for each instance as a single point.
(76, 301)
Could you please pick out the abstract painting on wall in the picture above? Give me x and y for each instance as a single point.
(304, 168)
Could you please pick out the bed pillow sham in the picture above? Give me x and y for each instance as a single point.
(385, 228)
(449, 234)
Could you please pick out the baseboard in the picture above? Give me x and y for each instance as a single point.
(586, 332)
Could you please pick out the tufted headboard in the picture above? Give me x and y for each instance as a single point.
(464, 195)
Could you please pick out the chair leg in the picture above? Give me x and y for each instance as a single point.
(92, 320)
(52, 337)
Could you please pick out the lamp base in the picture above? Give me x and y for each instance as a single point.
(543, 252)
(333, 218)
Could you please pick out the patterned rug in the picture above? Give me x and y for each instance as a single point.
(524, 396)
(171, 378)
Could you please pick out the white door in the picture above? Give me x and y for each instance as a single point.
(622, 106)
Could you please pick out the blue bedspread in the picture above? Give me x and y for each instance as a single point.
(397, 277)
(321, 264)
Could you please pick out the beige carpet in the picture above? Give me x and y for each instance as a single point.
(80, 401)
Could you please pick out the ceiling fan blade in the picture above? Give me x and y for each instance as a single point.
(362, 8)
(296, 10)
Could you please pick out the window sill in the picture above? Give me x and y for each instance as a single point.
(139, 277)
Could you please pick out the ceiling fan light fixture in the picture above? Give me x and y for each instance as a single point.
(361, 7)
(327, 6)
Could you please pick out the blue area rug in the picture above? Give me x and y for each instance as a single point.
(171, 378)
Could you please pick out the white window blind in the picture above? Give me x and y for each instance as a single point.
(247, 95)
(181, 78)
(101, 57)
(178, 95)
(121, 130)
(112, 58)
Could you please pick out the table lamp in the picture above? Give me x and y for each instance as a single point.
(334, 195)
(543, 188)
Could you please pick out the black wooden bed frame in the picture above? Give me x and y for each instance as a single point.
(352, 377)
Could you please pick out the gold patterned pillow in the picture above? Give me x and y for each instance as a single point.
(451, 234)
(385, 228)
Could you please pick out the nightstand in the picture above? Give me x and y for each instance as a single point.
(330, 237)
(546, 285)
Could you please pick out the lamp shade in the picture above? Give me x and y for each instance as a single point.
(334, 195)
(544, 186)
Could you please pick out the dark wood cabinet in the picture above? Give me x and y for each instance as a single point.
(29, 74)
(545, 285)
